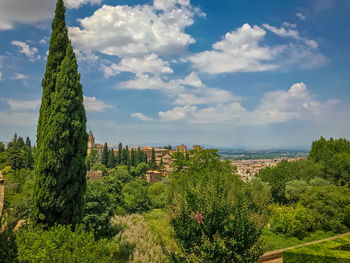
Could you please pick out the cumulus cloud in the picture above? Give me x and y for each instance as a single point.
(92, 104)
(24, 48)
(33, 11)
(124, 30)
(274, 107)
(241, 51)
(141, 116)
(19, 76)
(147, 64)
(78, 3)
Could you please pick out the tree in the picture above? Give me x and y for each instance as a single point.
(210, 212)
(294, 189)
(141, 169)
(2, 147)
(156, 194)
(61, 134)
(111, 159)
(152, 163)
(92, 159)
(135, 197)
(132, 158)
(28, 142)
(104, 157)
(119, 154)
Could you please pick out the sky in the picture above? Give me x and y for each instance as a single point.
(254, 74)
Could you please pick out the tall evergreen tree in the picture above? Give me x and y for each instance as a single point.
(104, 157)
(60, 170)
(152, 163)
(28, 142)
(132, 158)
(138, 157)
(111, 159)
(119, 154)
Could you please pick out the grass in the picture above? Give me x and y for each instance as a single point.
(275, 241)
(159, 225)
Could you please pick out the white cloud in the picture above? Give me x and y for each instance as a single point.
(18, 105)
(42, 41)
(301, 16)
(147, 64)
(143, 82)
(169, 4)
(33, 11)
(239, 51)
(95, 105)
(0, 76)
(287, 32)
(190, 80)
(78, 3)
(141, 116)
(178, 113)
(19, 76)
(135, 30)
(24, 48)
(275, 107)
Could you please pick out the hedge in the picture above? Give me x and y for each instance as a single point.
(337, 250)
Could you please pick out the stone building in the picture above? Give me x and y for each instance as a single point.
(94, 146)
(153, 176)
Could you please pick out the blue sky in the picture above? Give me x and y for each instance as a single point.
(255, 74)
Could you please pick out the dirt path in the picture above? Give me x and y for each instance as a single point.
(275, 256)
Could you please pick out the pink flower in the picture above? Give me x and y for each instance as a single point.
(199, 217)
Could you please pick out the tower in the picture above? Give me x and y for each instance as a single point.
(91, 142)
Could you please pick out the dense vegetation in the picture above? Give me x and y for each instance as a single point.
(60, 170)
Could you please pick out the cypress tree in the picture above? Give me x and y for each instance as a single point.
(28, 142)
(104, 157)
(119, 154)
(111, 159)
(60, 172)
(152, 162)
(132, 158)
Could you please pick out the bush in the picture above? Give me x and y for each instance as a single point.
(292, 221)
(59, 244)
(337, 250)
(330, 207)
(294, 189)
(213, 219)
(156, 194)
(136, 197)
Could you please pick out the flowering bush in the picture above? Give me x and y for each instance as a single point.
(212, 217)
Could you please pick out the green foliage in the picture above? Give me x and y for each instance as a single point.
(230, 228)
(152, 163)
(111, 159)
(122, 174)
(284, 172)
(136, 197)
(329, 206)
(337, 250)
(291, 221)
(100, 204)
(179, 161)
(59, 244)
(294, 189)
(100, 167)
(142, 168)
(339, 169)
(19, 187)
(104, 156)
(61, 134)
(2, 147)
(156, 194)
(92, 159)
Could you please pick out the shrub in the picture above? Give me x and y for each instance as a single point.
(135, 197)
(58, 244)
(294, 189)
(330, 207)
(292, 221)
(211, 215)
(156, 194)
